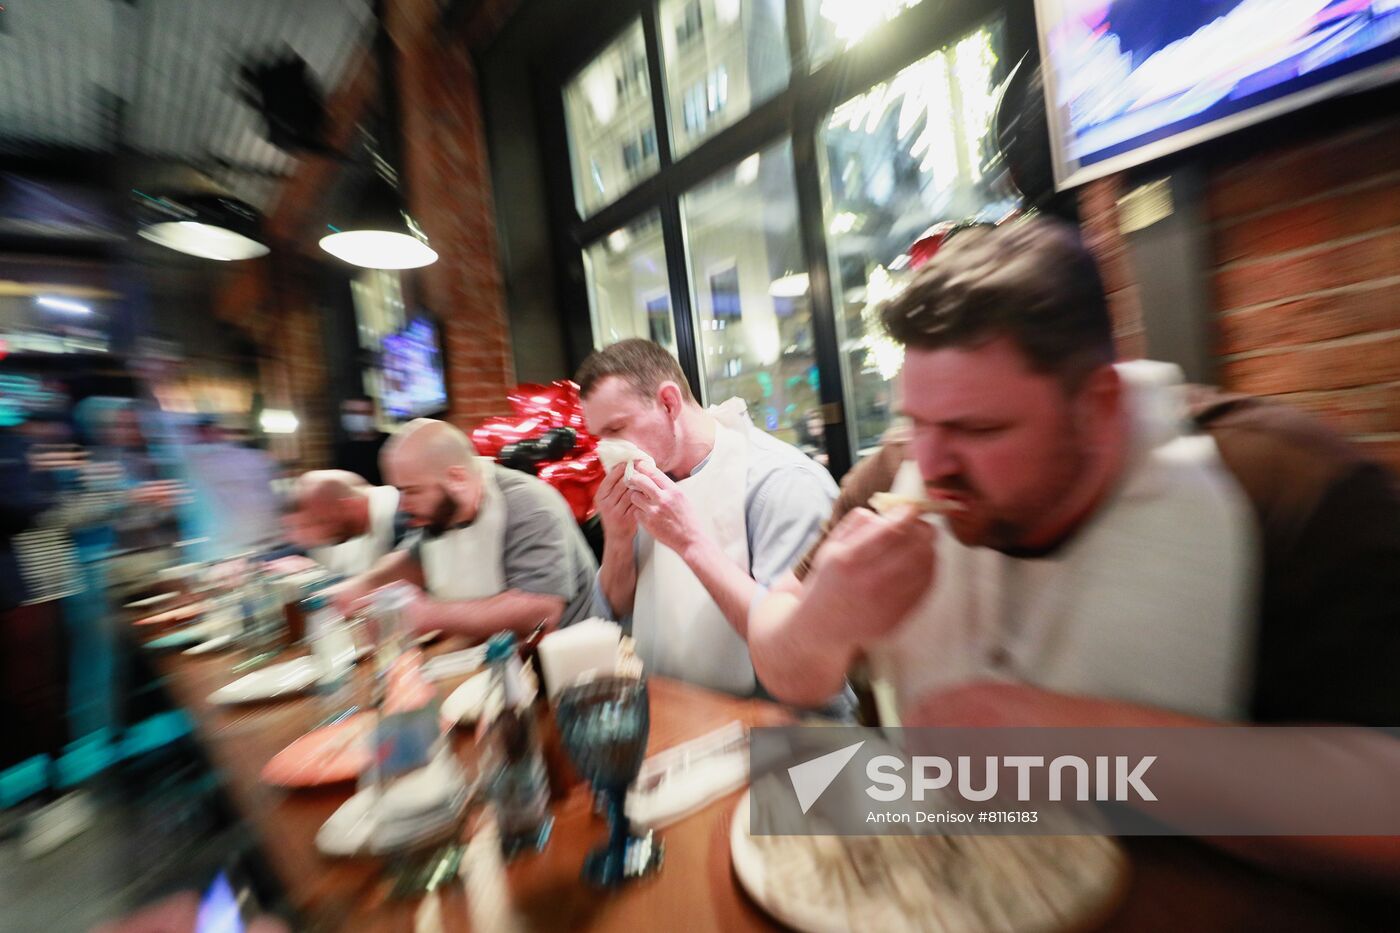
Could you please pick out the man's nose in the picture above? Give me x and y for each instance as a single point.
(938, 459)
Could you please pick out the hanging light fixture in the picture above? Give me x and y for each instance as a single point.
(381, 233)
(210, 225)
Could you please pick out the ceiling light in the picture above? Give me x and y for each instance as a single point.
(63, 304)
(207, 225)
(381, 234)
(792, 285)
(277, 421)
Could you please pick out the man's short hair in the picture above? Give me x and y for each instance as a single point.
(1031, 280)
(644, 365)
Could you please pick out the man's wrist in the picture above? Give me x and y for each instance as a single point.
(698, 550)
(823, 617)
(429, 615)
(618, 553)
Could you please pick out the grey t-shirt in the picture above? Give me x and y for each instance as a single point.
(545, 552)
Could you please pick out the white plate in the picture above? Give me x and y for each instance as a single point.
(289, 677)
(428, 801)
(1044, 883)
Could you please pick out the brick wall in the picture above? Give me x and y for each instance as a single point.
(1306, 284)
(1305, 277)
(1098, 206)
(450, 193)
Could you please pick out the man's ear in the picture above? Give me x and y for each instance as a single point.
(457, 474)
(1101, 397)
(670, 397)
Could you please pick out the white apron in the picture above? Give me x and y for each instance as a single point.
(359, 554)
(679, 629)
(469, 563)
(1151, 602)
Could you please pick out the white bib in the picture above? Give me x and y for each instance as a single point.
(357, 555)
(1150, 602)
(679, 629)
(469, 563)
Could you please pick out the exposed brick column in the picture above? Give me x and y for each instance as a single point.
(1098, 206)
(450, 194)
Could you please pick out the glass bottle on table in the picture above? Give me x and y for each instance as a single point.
(562, 776)
(516, 781)
(331, 646)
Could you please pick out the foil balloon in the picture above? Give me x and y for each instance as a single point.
(577, 481)
(545, 435)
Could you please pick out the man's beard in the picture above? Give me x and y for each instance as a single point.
(444, 515)
(1006, 529)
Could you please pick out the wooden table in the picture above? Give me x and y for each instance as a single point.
(1176, 884)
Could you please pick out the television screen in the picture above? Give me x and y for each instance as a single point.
(1127, 81)
(411, 365)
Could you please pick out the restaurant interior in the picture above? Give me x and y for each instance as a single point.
(314, 462)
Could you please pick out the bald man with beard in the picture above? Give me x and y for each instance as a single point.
(344, 523)
(491, 549)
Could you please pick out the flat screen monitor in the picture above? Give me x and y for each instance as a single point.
(411, 365)
(1128, 81)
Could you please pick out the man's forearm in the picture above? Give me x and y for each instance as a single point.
(793, 662)
(729, 585)
(391, 568)
(617, 576)
(512, 610)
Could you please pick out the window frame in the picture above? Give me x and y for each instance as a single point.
(795, 112)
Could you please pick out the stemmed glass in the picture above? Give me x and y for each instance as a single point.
(604, 724)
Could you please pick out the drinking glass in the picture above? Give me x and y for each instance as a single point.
(604, 724)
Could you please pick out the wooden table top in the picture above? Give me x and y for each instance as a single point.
(1176, 884)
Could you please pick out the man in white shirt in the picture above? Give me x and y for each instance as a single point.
(493, 548)
(1091, 548)
(1097, 566)
(345, 524)
(702, 514)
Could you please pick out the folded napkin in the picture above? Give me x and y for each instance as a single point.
(587, 647)
(675, 783)
(613, 451)
(454, 663)
(688, 790)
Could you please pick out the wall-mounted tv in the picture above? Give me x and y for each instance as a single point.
(411, 372)
(1127, 81)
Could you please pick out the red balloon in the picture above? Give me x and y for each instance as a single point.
(577, 481)
(538, 408)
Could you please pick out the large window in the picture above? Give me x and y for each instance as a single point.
(722, 58)
(897, 159)
(612, 135)
(763, 238)
(627, 287)
(752, 309)
(833, 26)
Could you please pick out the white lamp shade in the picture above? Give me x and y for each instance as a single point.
(379, 249)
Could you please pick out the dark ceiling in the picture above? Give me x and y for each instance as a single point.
(156, 80)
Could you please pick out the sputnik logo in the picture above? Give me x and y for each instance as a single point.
(811, 778)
